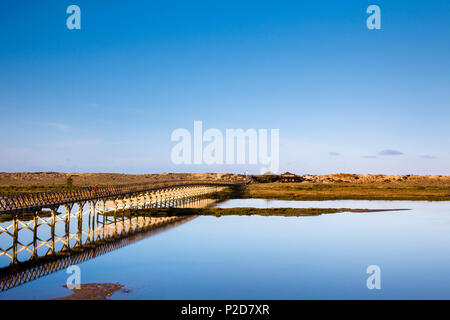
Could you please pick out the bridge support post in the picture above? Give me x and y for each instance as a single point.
(94, 225)
(89, 237)
(115, 220)
(15, 241)
(123, 222)
(68, 210)
(103, 225)
(35, 229)
(52, 231)
(80, 222)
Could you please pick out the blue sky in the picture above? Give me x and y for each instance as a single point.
(107, 97)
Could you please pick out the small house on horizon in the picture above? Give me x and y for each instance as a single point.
(290, 177)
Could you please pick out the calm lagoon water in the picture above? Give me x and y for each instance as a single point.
(255, 257)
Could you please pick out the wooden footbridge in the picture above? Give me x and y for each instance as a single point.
(44, 232)
(139, 194)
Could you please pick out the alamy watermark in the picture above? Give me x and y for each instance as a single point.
(74, 280)
(374, 280)
(235, 146)
(74, 20)
(374, 20)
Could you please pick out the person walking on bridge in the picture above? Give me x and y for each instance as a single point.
(95, 187)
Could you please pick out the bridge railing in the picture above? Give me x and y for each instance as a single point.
(18, 203)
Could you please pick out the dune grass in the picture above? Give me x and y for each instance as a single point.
(218, 212)
(427, 191)
(337, 191)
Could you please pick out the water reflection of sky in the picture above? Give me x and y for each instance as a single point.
(255, 257)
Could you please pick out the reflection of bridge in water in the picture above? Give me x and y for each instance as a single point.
(41, 242)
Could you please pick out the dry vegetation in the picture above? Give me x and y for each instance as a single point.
(352, 186)
(313, 187)
(45, 181)
(244, 211)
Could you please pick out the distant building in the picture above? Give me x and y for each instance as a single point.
(290, 177)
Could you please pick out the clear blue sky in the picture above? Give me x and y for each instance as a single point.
(107, 97)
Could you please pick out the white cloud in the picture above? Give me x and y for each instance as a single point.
(390, 152)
